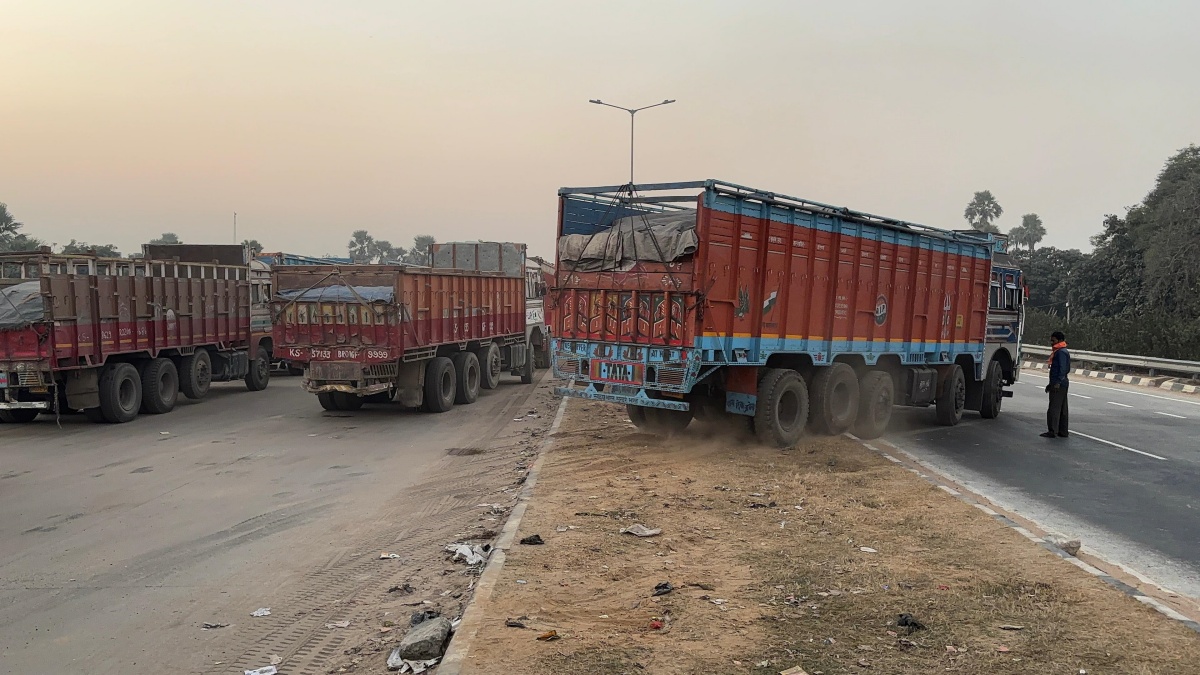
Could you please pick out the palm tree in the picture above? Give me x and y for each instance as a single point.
(982, 210)
(361, 246)
(1033, 230)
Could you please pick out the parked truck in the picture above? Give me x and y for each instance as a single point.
(428, 337)
(113, 337)
(709, 299)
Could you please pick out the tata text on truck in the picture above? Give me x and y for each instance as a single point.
(115, 337)
(707, 298)
(422, 336)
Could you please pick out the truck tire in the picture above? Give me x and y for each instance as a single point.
(347, 402)
(667, 422)
(327, 401)
(952, 397)
(466, 369)
(834, 397)
(489, 366)
(782, 409)
(160, 386)
(195, 374)
(439, 385)
(876, 397)
(120, 393)
(19, 416)
(527, 369)
(637, 415)
(260, 372)
(993, 392)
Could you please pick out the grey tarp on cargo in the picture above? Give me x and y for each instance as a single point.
(340, 294)
(654, 237)
(21, 305)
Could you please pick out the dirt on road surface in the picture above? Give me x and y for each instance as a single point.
(827, 557)
(119, 543)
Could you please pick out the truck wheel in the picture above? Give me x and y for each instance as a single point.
(489, 366)
(160, 386)
(195, 374)
(876, 397)
(327, 401)
(527, 369)
(439, 385)
(466, 368)
(834, 396)
(637, 415)
(952, 397)
(347, 402)
(120, 393)
(993, 392)
(20, 416)
(782, 409)
(260, 372)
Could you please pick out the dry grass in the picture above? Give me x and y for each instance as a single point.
(798, 588)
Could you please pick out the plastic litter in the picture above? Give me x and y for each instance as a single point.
(549, 636)
(276, 659)
(656, 625)
(1009, 626)
(867, 549)
(514, 623)
(338, 624)
(909, 622)
(395, 662)
(212, 626)
(663, 588)
(640, 530)
(261, 611)
(265, 670)
(533, 540)
(472, 555)
(423, 616)
(795, 670)
(388, 556)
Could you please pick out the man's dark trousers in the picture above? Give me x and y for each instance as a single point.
(1056, 416)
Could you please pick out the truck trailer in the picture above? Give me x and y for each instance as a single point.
(113, 337)
(427, 337)
(713, 300)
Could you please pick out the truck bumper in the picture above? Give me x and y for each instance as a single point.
(626, 395)
(24, 405)
(327, 387)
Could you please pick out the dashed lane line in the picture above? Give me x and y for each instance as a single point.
(1118, 445)
(1178, 417)
(1123, 405)
(1080, 396)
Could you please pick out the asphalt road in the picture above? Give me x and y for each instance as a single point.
(117, 541)
(1127, 481)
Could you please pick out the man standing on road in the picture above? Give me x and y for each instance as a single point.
(1060, 365)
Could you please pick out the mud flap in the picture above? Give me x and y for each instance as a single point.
(83, 389)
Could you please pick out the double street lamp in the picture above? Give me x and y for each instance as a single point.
(632, 112)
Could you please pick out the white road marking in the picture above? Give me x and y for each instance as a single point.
(1118, 445)
(1081, 396)
(1123, 405)
(1077, 383)
(1179, 417)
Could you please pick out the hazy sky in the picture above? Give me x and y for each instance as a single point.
(121, 120)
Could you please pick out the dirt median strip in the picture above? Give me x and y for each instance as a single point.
(827, 557)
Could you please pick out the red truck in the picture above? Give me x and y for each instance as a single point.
(114, 337)
(426, 337)
(708, 299)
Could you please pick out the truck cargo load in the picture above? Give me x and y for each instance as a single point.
(115, 336)
(711, 299)
(424, 337)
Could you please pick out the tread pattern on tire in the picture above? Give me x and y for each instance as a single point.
(488, 356)
(989, 408)
(768, 428)
(822, 418)
(948, 412)
(111, 380)
(466, 392)
(437, 399)
(190, 384)
(865, 425)
(259, 375)
(154, 400)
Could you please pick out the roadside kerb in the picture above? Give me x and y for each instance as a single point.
(472, 619)
(982, 503)
(1157, 382)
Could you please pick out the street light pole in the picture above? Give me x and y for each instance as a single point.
(632, 112)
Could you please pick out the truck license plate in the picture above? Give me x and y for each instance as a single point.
(612, 371)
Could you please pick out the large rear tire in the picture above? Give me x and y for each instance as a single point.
(489, 366)
(328, 401)
(466, 369)
(782, 408)
(993, 392)
(347, 402)
(160, 386)
(260, 371)
(527, 369)
(637, 415)
(834, 399)
(19, 416)
(439, 385)
(195, 374)
(952, 396)
(876, 397)
(120, 393)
